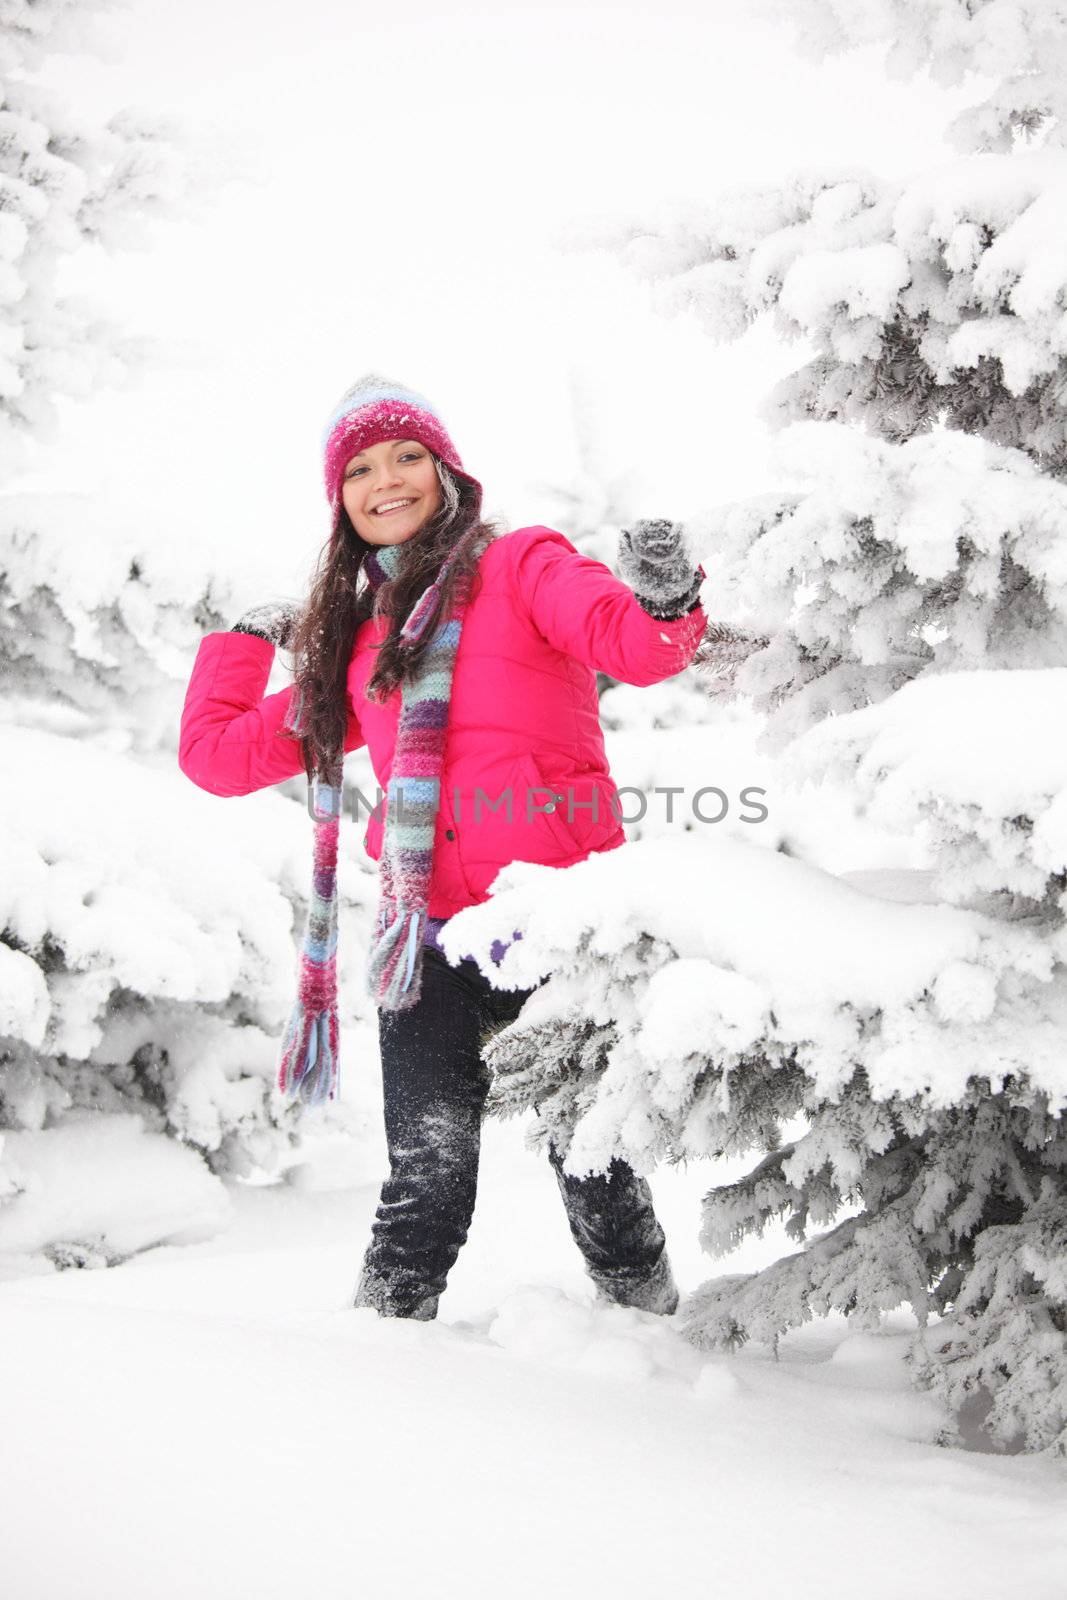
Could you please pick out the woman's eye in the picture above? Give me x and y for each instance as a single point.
(408, 455)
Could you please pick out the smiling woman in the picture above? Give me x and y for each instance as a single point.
(464, 660)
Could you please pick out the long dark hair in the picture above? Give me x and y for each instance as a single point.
(338, 604)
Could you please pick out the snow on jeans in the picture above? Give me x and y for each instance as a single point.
(435, 1085)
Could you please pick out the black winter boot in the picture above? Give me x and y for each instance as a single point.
(653, 1291)
(382, 1297)
(614, 1225)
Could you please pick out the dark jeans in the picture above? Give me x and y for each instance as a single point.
(435, 1085)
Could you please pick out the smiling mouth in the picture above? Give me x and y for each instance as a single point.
(393, 506)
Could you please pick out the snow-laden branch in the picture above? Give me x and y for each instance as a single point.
(700, 996)
(885, 563)
(148, 948)
(941, 294)
(1018, 46)
(67, 182)
(976, 762)
(754, 956)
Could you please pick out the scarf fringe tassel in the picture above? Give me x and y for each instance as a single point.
(309, 1061)
(393, 962)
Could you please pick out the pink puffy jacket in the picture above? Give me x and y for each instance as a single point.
(523, 714)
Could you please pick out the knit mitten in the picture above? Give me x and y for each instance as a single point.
(274, 622)
(655, 560)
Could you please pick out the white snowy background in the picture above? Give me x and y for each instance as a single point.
(200, 1411)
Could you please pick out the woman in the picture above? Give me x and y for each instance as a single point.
(424, 620)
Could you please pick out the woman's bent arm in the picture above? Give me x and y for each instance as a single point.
(231, 739)
(582, 608)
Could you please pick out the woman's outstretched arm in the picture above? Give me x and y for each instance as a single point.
(231, 739)
(582, 608)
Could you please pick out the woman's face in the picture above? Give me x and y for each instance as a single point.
(380, 476)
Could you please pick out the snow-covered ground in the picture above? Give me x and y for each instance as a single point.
(212, 1420)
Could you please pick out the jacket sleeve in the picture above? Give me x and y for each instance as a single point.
(231, 739)
(582, 608)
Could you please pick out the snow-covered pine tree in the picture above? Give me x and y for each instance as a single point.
(912, 586)
(143, 983)
(147, 928)
(66, 181)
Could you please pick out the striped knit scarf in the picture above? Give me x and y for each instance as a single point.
(309, 1064)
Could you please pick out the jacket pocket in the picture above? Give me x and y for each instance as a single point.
(591, 819)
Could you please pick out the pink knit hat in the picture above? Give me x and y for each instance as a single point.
(375, 409)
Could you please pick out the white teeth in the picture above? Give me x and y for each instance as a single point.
(390, 505)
